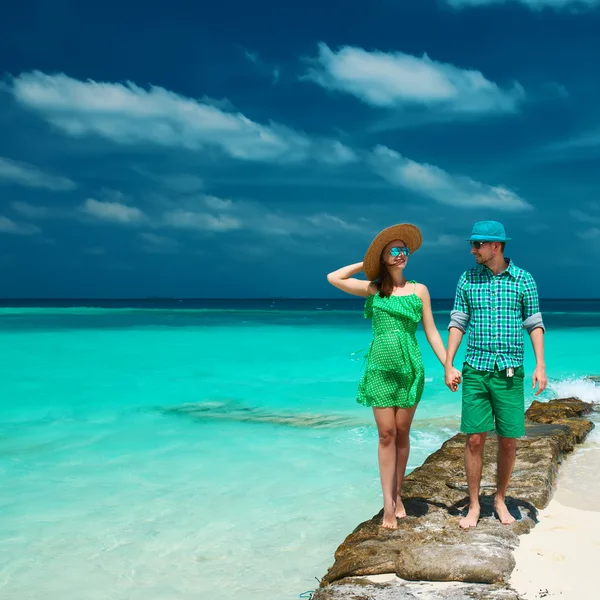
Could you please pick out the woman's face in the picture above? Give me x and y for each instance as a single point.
(393, 255)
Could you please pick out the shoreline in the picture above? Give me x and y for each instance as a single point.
(559, 557)
(430, 556)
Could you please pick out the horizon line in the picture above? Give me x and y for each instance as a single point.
(195, 298)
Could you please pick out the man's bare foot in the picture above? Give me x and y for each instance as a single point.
(400, 510)
(505, 517)
(389, 518)
(471, 519)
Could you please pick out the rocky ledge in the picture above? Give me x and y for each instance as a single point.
(429, 546)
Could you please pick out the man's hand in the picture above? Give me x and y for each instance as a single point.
(539, 377)
(452, 378)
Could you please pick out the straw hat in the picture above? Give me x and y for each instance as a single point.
(409, 234)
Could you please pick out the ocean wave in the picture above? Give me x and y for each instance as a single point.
(576, 387)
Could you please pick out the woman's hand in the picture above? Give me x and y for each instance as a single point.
(452, 378)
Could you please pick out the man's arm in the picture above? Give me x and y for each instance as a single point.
(533, 322)
(539, 374)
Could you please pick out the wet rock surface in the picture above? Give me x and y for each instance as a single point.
(363, 589)
(430, 546)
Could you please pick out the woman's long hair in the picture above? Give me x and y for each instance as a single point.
(385, 283)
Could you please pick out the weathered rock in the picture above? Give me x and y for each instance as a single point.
(565, 412)
(429, 545)
(363, 589)
(549, 412)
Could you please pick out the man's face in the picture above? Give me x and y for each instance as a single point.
(484, 253)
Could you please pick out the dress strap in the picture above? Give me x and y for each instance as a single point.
(414, 286)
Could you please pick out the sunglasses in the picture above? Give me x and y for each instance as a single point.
(397, 251)
(477, 245)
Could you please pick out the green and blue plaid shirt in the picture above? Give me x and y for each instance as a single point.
(495, 309)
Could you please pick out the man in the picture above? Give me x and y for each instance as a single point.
(497, 300)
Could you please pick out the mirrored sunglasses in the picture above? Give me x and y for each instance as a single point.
(397, 251)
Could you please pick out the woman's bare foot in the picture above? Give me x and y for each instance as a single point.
(400, 510)
(471, 519)
(505, 517)
(389, 518)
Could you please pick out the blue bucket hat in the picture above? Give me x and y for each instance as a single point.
(488, 231)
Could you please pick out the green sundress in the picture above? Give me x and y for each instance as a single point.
(394, 373)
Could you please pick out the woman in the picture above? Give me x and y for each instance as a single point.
(394, 376)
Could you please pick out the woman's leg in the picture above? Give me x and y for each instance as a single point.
(386, 426)
(404, 417)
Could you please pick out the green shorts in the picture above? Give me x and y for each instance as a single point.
(491, 400)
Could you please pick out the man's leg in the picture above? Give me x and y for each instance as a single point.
(477, 419)
(473, 467)
(507, 452)
(508, 400)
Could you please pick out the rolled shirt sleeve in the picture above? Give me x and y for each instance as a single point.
(461, 312)
(532, 317)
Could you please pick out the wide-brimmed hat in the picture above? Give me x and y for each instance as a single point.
(409, 234)
(488, 231)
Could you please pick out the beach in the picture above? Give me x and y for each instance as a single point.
(559, 558)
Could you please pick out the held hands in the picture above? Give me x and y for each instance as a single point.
(452, 378)
(539, 377)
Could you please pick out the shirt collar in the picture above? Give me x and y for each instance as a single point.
(510, 269)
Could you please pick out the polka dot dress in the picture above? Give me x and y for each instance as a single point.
(394, 373)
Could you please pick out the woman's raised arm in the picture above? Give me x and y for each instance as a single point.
(343, 280)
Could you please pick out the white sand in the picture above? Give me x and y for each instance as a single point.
(560, 558)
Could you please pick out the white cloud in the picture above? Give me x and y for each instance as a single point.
(9, 226)
(200, 221)
(534, 4)
(210, 213)
(183, 183)
(200, 213)
(217, 203)
(583, 141)
(335, 153)
(591, 237)
(443, 240)
(326, 221)
(129, 114)
(396, 79)
(112, 212)
(432, 182)
(589, 218)
(251, 56)
(34, 212)
(27, 175)
(157, 244)
(583, 217)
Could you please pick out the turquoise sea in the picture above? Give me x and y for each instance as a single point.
(166, 449)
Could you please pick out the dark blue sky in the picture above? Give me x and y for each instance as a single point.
(238, 149)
